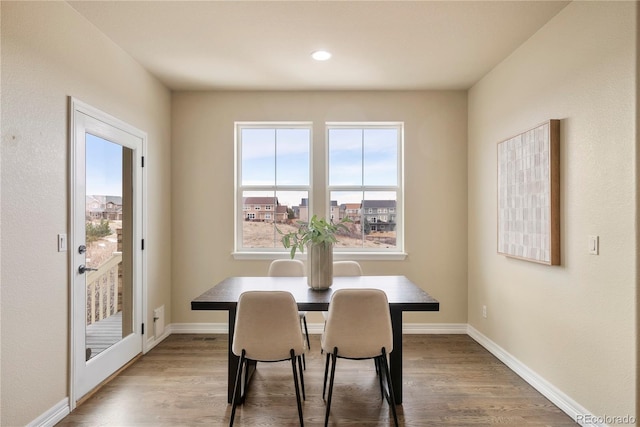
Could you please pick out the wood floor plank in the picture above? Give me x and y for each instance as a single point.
(449, 380)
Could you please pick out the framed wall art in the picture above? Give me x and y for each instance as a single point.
(529, 195)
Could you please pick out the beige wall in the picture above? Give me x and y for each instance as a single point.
(49, 53)
(575, 324)
(435, 188)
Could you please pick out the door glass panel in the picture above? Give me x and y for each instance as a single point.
(108, 225)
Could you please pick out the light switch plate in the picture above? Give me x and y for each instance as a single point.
(62, 242)
(594, 245)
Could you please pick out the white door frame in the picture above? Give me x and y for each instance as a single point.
(77, 107)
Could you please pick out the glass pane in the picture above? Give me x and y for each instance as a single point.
(292, 156)
(380, 157)
(258, 148)
(259, 210)
(345, 156)
(262, 212)
(108, 225)
(347, 204)
(379, 212)
(296, 203)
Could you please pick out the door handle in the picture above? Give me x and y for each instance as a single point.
(82, 269)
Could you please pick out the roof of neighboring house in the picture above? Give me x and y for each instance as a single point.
(351, 205)
(260, 201)
(282, 209)
(117, 200)
(304, 202)
(378, 203)
(103, 201)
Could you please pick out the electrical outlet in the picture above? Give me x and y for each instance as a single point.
(484, 311)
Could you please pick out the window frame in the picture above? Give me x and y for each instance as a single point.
(371, 253)
(241, 252)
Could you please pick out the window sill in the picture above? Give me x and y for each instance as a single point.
(337, 256)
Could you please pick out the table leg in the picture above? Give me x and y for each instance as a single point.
(395, 357)
(232, 359)
(233, 362)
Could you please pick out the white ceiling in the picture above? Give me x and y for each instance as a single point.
(265, 45)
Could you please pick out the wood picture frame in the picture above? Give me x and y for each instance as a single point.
(529, 195)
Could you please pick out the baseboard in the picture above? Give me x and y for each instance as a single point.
(198, 328)
(569, 406)
(154, 341)
(434, 328)
(53, 416)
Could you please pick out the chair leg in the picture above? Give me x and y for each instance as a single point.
(334, 358)
(303, 327)
(304, 397)
(306, 332)
(392, 398)
(378, 362)
(326, 372)
(295, 382)
(235, 388)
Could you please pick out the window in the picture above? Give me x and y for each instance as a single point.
(363, 173)
(273, 182)
(365, 176)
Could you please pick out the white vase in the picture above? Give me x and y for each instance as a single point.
(320, 265)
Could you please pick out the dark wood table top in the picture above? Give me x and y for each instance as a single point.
(401, 292)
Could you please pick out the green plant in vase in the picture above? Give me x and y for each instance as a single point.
(318, 235)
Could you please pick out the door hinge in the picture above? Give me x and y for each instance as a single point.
(143, 329)
(143, 244)
(142, 161)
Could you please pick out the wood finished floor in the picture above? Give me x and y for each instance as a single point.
(449, 380)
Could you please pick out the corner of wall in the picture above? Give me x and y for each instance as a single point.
(637, 195)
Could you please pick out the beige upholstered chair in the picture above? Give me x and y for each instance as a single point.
(346, 268)
(359, 327)
(267, 329)
(286, 268)
(291, 268)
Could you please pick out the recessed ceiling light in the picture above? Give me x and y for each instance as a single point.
(321, 55)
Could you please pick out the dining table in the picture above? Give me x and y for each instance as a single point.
(403, 295)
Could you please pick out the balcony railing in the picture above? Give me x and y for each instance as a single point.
(103, 288)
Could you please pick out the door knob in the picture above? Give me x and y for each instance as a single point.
(82, 269)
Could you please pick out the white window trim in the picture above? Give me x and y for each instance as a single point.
(356, 254)
(380, 254)
(264, 253)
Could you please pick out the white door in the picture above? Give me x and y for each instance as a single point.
(106, 246)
